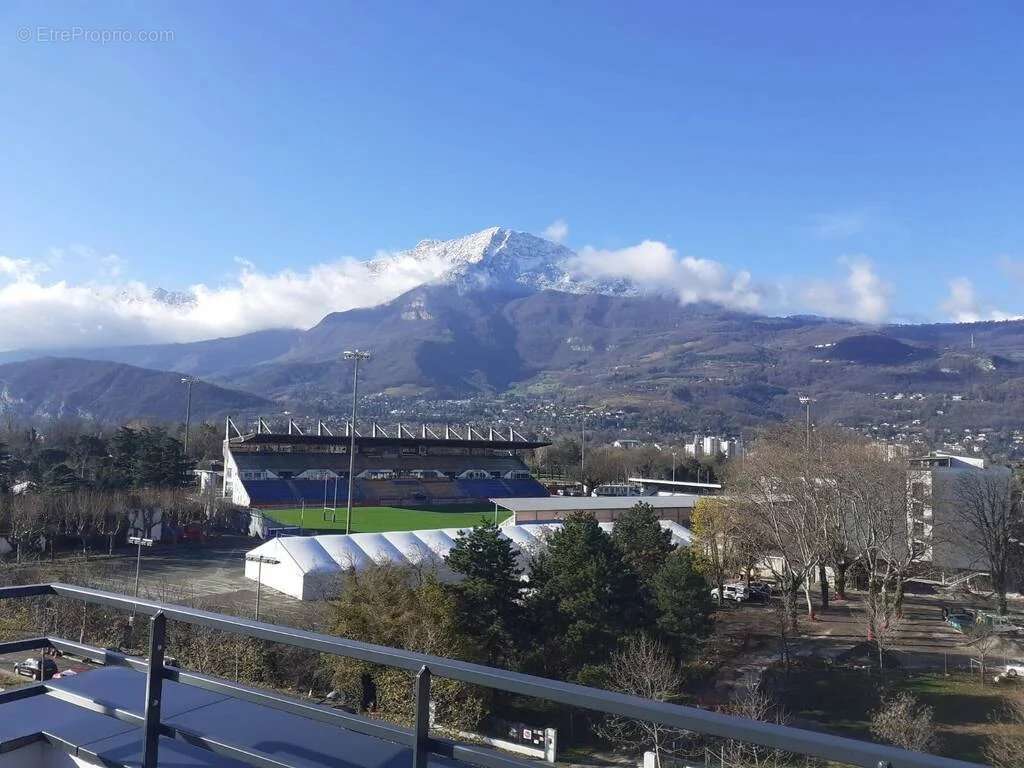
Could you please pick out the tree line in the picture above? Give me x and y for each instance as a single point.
(593, 602)
(86, 487)
(802, 500)
(608, 464)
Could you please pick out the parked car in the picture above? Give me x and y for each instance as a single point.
(1013, 671)
(30, 668)
(961, 621)
(760, 590)
(737, 592)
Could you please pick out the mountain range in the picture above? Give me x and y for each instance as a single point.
(506, 313)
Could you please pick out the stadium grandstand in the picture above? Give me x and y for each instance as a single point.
(398, 467)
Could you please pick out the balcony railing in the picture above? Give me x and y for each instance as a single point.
(841, 750)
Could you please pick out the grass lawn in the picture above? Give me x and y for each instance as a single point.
(964, 709)
(841, 701)
(378, 519)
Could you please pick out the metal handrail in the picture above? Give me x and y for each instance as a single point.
(795, 740)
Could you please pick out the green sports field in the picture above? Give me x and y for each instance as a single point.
(377, 519)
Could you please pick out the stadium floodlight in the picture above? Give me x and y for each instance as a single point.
(261, 559)
(355, 355)
(188, 381)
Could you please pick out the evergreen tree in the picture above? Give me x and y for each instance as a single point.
(643, 543)
(6, 469)
(159, 461)
(60, 478)
(683, 601)
(399, 607)
(124, 449)
(487, 599)
(583, 599)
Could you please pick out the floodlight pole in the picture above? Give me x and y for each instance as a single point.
(188, 381)
(355, 356)
(583, 454)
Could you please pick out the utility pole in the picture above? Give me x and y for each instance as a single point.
(188, 381)
(355, 356)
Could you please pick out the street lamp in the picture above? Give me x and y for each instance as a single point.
(673, 466)
(261, 559)
(806, 401)
(188, 381)
(355, 356)
(139, 542)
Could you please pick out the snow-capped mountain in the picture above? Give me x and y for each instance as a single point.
(137, 294)
(499, 258)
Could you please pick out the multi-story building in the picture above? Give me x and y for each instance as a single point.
(936, 487)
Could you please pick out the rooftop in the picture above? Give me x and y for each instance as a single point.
(593, 503)
(152, 715)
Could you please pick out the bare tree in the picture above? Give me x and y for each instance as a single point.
(779, 498)
(983, 640)
(111, 517)
(1004, 749)
(906, 723)
(882, 620)
(644, 667)
(987, 518)
(750, 700)
(876, 527)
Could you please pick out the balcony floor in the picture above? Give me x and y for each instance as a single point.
(76, 715)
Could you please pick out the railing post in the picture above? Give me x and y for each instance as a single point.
(421, 749)
(154, 687)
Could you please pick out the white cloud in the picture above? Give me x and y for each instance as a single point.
(655, 266)
(41, 313)
(838, 225)
(963, 306)
(20, 270)
(862, 295)
(557, 231)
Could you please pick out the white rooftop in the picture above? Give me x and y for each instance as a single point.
(576, 503)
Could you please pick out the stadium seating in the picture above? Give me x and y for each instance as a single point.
(486, 489)
(403, 492)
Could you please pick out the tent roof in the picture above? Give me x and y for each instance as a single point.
(337, 552)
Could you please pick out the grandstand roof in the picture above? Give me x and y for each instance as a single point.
(274, 438)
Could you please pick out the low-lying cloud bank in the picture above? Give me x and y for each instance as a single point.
(42, 309)
(40, 312)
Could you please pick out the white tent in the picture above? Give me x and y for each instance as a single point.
(308, 567)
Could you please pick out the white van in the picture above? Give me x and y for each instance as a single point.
(737, 592)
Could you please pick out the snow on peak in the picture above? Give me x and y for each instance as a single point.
(497, 258)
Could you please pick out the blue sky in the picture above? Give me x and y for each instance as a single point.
(794, 141)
